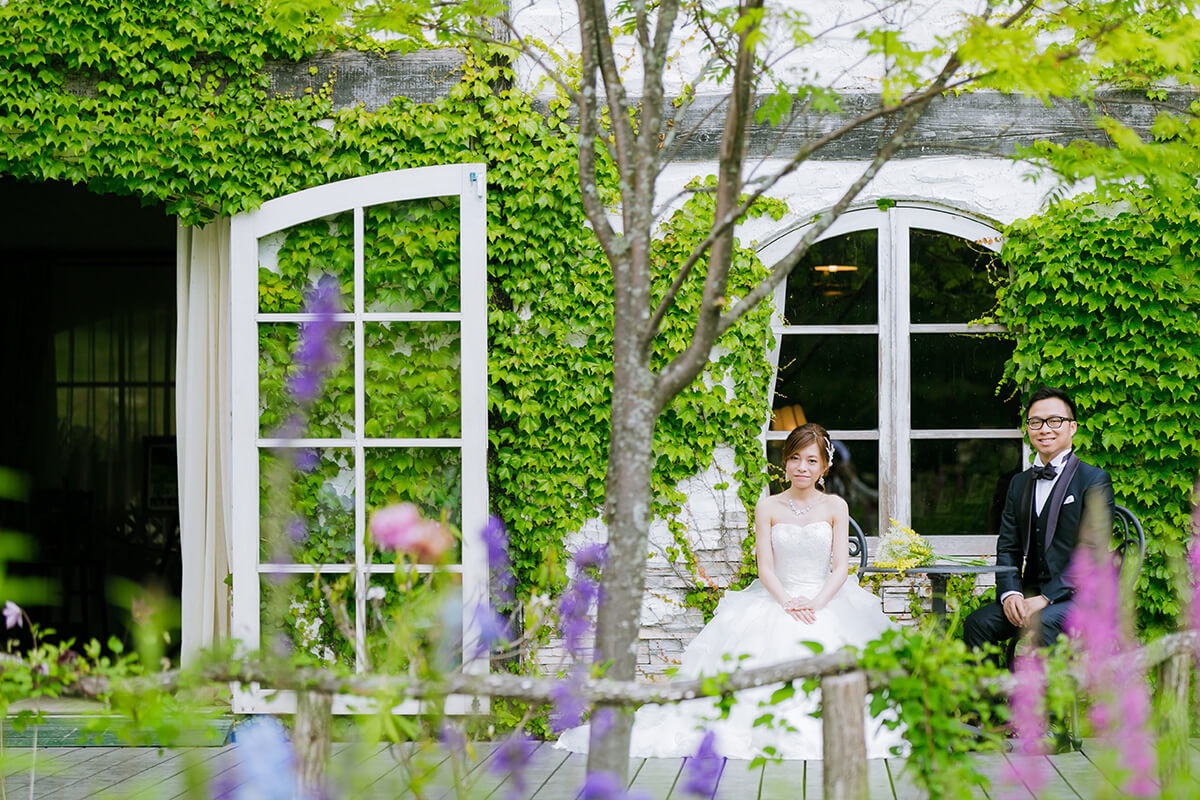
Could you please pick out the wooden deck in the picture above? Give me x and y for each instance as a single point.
(150, 774)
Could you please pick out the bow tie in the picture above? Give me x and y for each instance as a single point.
(1045, 473)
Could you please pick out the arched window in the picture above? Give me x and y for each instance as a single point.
(872, 341)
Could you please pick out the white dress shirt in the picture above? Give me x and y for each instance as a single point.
(1042, 490)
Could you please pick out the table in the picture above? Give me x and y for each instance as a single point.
(939, 574)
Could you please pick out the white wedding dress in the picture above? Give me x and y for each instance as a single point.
(750, 622)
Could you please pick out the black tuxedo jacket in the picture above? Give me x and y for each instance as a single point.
(1066, 503)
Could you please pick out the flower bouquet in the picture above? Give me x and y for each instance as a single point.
(901, 547)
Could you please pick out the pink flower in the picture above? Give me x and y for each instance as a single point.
(400, 527)
(1029, 720)
(1120, 699)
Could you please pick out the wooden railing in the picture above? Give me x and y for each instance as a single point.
(844, 687)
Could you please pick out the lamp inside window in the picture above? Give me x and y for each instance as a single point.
(833, 280)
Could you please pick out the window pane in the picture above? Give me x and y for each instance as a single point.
(331, 414)
(413, 381)
(854, 478)
(959, 485)
(407, 616)
(291, 261)
(296, 616)
(836, 283)
(950, 278)
(830, 379)
(306, 505)
(431, 477)
(411, 255)
(954, 380)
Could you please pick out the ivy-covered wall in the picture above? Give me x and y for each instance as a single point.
(170, 102)
(1104, 300)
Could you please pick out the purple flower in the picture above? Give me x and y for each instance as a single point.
(593, 555)
(495, 538)
(703, 770)
(493, 629)
(569, 704)
(315, 352)
(602, 720)
(452, 738)
(12, 615)
(512, 759)
(576, 601)
(606, 786)
(297, 531)
(601, 786)
(573, 619)
(307, 460)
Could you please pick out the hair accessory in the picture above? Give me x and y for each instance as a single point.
(829, 449)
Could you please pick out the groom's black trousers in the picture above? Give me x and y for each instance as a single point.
(988, 624)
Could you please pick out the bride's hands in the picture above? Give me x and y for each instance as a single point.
(801, 608)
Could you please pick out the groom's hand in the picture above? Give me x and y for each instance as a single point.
(1035, 604)
(1014, 609)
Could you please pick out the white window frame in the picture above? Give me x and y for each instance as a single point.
(468, 183)
(894, 433)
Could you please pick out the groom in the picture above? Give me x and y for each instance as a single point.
(1039, 528)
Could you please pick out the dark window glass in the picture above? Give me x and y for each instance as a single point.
(829, 379)
(958, 486)
(836, 283)
(951, 278)
(954, 380)
(854, 477)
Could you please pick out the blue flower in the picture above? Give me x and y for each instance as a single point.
(266, 765)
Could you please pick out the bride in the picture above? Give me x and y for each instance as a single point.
(803, 594)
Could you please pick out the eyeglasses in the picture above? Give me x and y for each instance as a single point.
(1035, 423)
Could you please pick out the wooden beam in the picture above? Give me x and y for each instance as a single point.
(370, 79)
(843, 699)
(979, 124)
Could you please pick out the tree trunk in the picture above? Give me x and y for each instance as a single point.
(627, 512)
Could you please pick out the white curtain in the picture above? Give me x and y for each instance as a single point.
(202, 426)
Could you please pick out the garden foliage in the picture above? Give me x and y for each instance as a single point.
(171, 103)
(1104, 300)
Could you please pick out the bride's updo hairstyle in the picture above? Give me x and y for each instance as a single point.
(802, 437)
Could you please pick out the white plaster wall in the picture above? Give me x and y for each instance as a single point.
(835, 57)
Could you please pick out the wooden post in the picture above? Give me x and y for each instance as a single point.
(843, 703)
(1173, 678)
(314, 720)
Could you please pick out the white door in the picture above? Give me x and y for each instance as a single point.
(402, 417)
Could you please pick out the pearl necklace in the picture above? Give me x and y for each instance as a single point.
(800, 512)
